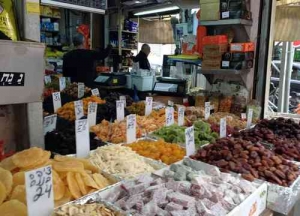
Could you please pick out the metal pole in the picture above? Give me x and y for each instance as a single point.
(282, 77)
(289, 69)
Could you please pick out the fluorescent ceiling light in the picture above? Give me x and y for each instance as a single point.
(156, 11)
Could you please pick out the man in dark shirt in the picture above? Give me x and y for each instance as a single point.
(79, 64)
(142, 57)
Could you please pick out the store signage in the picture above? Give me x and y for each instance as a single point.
(131, 128)
(50, 123)
(39, 191)
(47, 79)
(190, 141)
(80, 90)
(62, 83)
(243, 116)
(82, 138)
(56, 101)
(123, 99)
(78, 109)
(120, 110)
(93, 6)
(223, 131)
(149, 105)
(181, 110)
(92, 113)
(249, 118)
(225, 15)
(12, 79)
(96, 92)
(207, 110)
(169, 116)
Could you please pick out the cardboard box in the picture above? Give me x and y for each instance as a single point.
(215, 49)
(210, 11)
(209, 1)
(233, 5)
(242, 47)
(211, 64)
(239, 65)
(238, 56)
(212, 56)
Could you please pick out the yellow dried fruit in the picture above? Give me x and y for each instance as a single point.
(67, 198)
(68, 166)
(6, 179)
(19, 179)
(73, 186)
(19, 193)
(83, 188)
(101, 181)
(13, 208)
(89, 181)
(8, 164)
(58, 186)
(27, 158)
(3, 193)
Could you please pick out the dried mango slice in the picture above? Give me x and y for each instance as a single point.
(8, 164)
(89, 181)
(58, 186)
(13, 208)
(19, 193)
(18, 178)
(67, 198)
(73, 186)
(68, 166)
(28, 157)
(3, 193)
(86, 163)
(101, 181)
(83, 188)
(43, 161)
(6, 179)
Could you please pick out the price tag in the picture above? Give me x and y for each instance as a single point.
(181, 110)
(68, 79)
(123, 99)
(39, 191)
(62, 83)
(170, 103)
(92, 113)
(96, 92)
(149, 105)
(47, 79)
(225, 15)
(243, 116)
(169, 116)
(80, 90)
(207, 110)
(190, 141)
(78, 109)
(50, 123)
(223, 127)
(225, 64)
(82, 138)
(120, 110)
(131, 128)
(249, 118)
(56, 101)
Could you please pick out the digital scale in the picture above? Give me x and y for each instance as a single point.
(170, 86)
(111, 79)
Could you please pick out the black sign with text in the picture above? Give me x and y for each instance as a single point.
(12, 79)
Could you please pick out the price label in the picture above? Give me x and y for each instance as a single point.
(207, 110)
(225, 64)
(80, 90)
(190, 141)
(149, 105)
(50, 123)
(249, 118)
(62, 83)
(47, 79)
(82, 138)
(181, 110)
(170, 103)
(131, 128)
(39, 191)
(120, 110)
(169, 116)
(243, 116)
(78, 109)
(123, 99)
(225, 15)
(68, 79)
(56, 101)
(223, 127)
(92, 113)
(96, 92)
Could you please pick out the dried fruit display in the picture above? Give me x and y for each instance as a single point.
(251, 160)
(194, 113)
(231, 120)
(216, 128)
(239, 105)
(225, 104)
(114, 96)
(168, 153)
(72, 90)
(137, 108)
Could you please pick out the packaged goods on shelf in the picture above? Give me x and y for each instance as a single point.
(242, 47)
(194, 113)
(215, 40)
(238, 56)
(215, 49)
(200, 100)
(237, 65)
(211, 64)
(210, 11)
(239, 105)
(225, 104)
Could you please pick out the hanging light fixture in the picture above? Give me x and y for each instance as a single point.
(158, 10)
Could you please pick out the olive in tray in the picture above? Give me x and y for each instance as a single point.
(251, 160)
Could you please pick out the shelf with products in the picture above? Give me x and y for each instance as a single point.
(226, 22)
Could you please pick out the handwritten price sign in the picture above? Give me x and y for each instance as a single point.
(123, 99)
(78, 109)
(207, 110)
(62, 83)
(181, 110)
(249, 118)
(47, 79)
(82, 138)
(131, 128)
(223, 129)
(169, 116)
(56, 101)
(80, 90)
(96, 92)
(50, 123)
(39, 191)
(120, 110)
(149, 105)
(92, 113)
(190, 141)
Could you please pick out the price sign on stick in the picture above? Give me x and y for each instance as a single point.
(120, 110)
(39, 191)
(82, 138)
(47, 79)
(123, 99)
(223, 127)
(50, 123)
(190, 141)
(169, 116)
(131, 128)
(80, 90)
(243, 116)
(78, 109)
(207, 110)
(96, 92)
(56, 101)
(170, 103)
(92, 113)
(62, 83)
(249, 118)
(181, 110)
(149, 105)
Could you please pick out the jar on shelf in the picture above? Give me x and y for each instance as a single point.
(225, 104)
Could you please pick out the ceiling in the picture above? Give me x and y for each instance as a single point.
(140, 4)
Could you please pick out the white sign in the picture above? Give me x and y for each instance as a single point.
(120, 110)
(190, 141)
(169, 116)
(225, 63)
(78, 109)
(62, 83)
(56, 101)
(131, 129)
(170, 103)
(225, 15)
(249, 118)
(207, 110)
(223, 131)
(243, 116)
(82, 138)
(96, 92)
(92, 113)
(47, 79)
(80, 90)
(149, 105)
(39, 191)
(181, 110)
(123, 99)
(50, 123)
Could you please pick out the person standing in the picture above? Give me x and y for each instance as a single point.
(142, 57)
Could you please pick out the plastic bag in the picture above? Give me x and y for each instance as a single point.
(7, 20)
